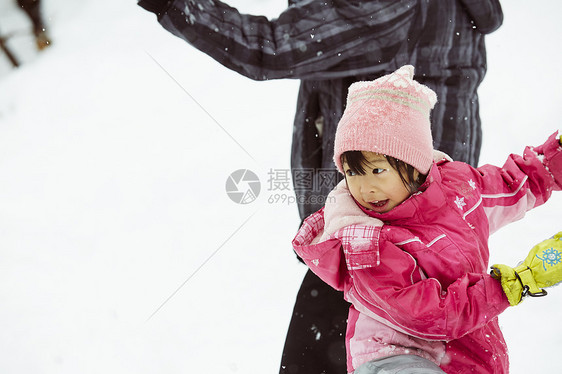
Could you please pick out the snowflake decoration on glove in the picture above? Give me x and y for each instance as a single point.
(551, 257)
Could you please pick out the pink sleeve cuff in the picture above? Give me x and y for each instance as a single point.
(550, 153)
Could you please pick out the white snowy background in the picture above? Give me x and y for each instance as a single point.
(120, 251)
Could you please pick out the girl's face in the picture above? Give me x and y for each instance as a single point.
(380, 189)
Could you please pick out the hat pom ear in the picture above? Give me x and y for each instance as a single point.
(430, 95)
(407, 71)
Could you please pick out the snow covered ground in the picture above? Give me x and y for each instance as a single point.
(120, 251)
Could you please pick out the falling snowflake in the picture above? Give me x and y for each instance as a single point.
(460, 202)
(550, 257)
(316, 332)
(472, 184)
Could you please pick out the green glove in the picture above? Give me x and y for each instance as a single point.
(541, 268)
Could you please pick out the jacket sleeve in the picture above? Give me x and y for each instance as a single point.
(325, 258)
(396, 294)
(311, 39)
(326, 261)
(524, 182)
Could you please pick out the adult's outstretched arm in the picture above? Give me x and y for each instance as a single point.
(311, 39)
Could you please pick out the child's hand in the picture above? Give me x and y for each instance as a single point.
(550, 154)
(541, 268)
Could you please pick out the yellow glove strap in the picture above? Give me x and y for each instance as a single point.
(525, 275)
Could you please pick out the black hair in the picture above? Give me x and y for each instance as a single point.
(357, 163)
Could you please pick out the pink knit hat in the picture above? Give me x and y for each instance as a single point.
(390, 116)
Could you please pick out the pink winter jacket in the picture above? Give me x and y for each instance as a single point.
(417, 276)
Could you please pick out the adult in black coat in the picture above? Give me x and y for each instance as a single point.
(329, 44)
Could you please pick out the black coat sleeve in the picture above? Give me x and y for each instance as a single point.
(155, 6)
(486, 14)
(311, 39)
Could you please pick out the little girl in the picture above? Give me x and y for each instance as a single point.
(405, 235)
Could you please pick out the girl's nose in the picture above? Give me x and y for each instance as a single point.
(367, 187)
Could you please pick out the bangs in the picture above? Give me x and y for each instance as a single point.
(356, 161)
(358, 164)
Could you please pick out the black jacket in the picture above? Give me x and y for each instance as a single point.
(331, 44)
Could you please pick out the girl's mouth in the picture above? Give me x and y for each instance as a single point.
(378, 206)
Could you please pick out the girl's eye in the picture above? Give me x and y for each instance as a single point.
(350, 173)
(378, 170)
